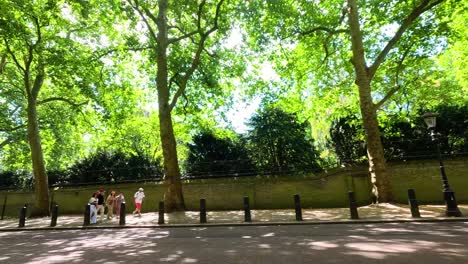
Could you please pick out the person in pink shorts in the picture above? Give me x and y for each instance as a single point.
(139, 196)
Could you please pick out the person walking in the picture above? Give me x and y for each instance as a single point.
(110, 202)
(120, 198)
(100, 203)
(139, 196)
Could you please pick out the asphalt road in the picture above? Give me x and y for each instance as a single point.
(344, 243)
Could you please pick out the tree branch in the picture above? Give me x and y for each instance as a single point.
(66, 100)
(387, 96)
(14, 57)
(109, 51)
(150, 15)
(397, 86)
(196, 58)
(215, 24)
(173, 79)
(173, 40)
(12, 128)
(415, 13)
(188, 35)
(38, 81)
(3, 62)
(321, 28)
(209, 53)
(38, 31)
(331, 32)
(136, 7)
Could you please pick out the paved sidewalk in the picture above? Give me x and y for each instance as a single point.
(373, 213)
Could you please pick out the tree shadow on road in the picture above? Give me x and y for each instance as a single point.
(390, 243)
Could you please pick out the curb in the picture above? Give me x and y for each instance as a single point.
(363, 221)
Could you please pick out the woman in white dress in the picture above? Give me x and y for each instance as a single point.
(93, 208)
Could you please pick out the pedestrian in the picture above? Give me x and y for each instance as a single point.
(139, 196)
(110, 202)
(92, 208)
(119, 200)
(100, 203)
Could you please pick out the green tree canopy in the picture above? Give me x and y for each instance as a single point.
(279, 143)
(210, 155)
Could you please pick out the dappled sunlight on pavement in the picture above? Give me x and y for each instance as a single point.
(428, 242)
(374, 212)
(84, 244)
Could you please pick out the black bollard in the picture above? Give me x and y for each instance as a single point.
(4, 206)
(202, 211)
(87, 220)
(353, 206)
(297, 206)
(161, 213)
(53, 219)
(51, 206)
(122, 214)
(247, 215)
(22, 217)
(451, 202)
(413, 203)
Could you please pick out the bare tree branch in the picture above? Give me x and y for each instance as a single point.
(424, 6)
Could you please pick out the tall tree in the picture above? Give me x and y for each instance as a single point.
(178, 36)
(37, 41)
(364, 75)
(384, 33)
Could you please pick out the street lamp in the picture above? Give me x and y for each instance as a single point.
(449, 195)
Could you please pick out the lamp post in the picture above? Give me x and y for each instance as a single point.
(449, 196)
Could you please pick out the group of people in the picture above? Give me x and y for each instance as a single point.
(112, 202)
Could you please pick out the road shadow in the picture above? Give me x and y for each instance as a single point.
(370, 243)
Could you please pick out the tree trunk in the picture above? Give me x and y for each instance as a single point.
(382, 188)
(377, 165)
(173, 197)
(41, 183)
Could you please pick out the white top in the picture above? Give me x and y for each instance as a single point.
(93, 201)
(139, 197)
